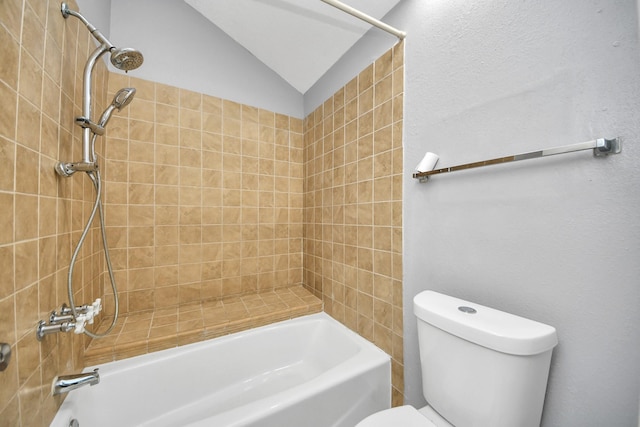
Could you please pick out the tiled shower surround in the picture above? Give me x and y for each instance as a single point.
(41, 216)
(220, 216)
(203, 197)
(353, 206)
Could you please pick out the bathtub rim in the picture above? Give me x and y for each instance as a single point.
(368, 357)
(156, 356)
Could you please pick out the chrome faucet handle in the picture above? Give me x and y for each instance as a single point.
(65, 309)
(59, 318)
(43, 329)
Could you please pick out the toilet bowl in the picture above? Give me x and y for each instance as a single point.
(480, 367)
(405, 416)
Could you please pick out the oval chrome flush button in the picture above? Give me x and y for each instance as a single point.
(468, 310)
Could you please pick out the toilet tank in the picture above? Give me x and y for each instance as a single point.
(481, 366)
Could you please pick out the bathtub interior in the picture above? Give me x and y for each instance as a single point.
(232, 378)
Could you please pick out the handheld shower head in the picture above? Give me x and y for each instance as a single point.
(124, 97)
(126, 58)
(121, 100)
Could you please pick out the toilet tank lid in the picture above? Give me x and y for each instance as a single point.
(484, 326)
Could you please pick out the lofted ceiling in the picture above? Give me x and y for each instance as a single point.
(298, 39)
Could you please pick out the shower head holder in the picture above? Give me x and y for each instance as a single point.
(66, 169)
(85, 123)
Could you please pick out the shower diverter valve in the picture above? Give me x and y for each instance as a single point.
(84, 318)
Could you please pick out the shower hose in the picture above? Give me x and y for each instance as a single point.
(97, 207)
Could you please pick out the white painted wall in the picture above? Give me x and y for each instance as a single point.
(181, 48)
(554, 239)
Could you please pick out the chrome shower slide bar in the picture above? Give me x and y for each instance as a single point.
(366, 18)
(600, 146)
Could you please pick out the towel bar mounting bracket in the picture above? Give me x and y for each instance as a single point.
(604, 147)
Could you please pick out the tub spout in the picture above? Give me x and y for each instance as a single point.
(67, 383)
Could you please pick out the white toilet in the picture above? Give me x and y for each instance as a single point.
(480, 367)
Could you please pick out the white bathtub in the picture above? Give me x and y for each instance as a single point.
(305, 372)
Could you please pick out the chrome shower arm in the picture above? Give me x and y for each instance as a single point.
(64, 8)
(123, 59)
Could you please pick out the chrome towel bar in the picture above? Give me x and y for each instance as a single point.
(600, 146)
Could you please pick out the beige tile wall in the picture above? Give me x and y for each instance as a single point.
(353, 206)
(203, 197)
(41, 215)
